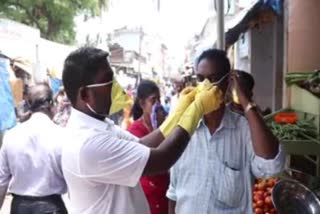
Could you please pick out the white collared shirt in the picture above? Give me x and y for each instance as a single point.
(30, 159)
(102, 165)
(215, 173)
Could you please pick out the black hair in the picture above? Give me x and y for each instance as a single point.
(247, 79)
(218, 56)
(145, 89)
(40, 97)
(80, 69)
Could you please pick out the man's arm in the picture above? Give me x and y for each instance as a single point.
(172, 206)
(167, 153)
(153, 139)
(265, 144)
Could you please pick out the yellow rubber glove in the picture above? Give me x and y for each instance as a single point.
(208, 99)
(186, 98)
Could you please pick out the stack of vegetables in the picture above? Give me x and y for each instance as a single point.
(287, 127)
(308, 81)
(262, 202)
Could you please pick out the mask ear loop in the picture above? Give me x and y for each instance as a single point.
(228, 88)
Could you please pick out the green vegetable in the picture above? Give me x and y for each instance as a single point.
(302, 130)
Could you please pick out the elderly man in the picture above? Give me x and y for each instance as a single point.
(30, 160)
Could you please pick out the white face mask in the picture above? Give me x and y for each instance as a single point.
(119, 98)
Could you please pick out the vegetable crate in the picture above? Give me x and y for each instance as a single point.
(303, 100)
(308, 150)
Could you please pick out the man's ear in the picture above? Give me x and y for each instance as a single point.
(84, 94)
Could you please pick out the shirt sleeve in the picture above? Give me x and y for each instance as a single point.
(125, 135)
(263, 168)
(171, 192)
(112, 160)
(5, 174)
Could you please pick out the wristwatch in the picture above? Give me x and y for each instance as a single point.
(249, 107)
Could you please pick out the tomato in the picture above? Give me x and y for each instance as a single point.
(262, 186)
(258, 211)
(256, 187)
(260, 203)
(257, 198)
(273, 211)
(268, 201)
(265, 194)
(271, 183)
(254, 205)
(259, 193)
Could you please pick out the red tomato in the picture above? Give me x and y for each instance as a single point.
(259, 193)
(258, 211)
(271, 183)
(256, 187)
(254, 205)
(260, 203)
(262, 186)
(269, 190)
(273, 211)
(257, 198)
(265, 194)
(268, 201)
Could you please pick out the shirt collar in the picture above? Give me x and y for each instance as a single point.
(40, 116)
(79, 119)
(228, 121)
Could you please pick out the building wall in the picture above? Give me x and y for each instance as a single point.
(266, 57)
(262, 60)
(303, 35)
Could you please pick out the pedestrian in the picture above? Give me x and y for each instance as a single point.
(62, 108)
(216, 172)
(167, 105)
(178, 85)
(30, 159)
(145, 109)
(102, 163)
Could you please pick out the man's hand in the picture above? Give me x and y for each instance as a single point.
(208, 99)
(186, 98)
(241, 91)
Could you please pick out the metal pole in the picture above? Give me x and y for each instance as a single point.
(220, 24)
(140, 52)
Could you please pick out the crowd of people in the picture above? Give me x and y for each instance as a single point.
(197, 151)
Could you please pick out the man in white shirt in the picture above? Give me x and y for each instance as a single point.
(216, 172)
(30, 160)
(102, 164)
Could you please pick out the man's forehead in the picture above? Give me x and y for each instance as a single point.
(207, 67)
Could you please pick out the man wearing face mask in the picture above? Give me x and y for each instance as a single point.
(102, 164)
(215, 173)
